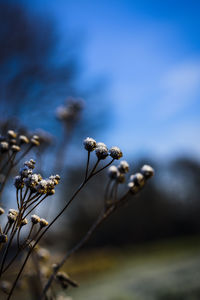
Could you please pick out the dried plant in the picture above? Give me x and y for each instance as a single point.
(32, 190)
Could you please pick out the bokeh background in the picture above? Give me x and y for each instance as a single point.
(136, 65)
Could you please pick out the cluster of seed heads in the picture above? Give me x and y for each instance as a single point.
(101, 149)
(35, 182)
(12, 141)
(138, 180)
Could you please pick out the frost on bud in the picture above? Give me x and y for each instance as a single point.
(43, 223)
(89, 144)
(30, 164)
(4, 146)
(35, 219)
(15, 148)
(11, 134)
(1, 211)
(115, 153)
(23, 139)
(133, 188)
(25, 172)
(3, 238)
(147, 171)
(113, 172)
(101, 152)
(123, 167)
(13, 212)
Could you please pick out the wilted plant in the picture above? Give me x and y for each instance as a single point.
(32, 190)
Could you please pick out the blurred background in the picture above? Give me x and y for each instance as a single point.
(131, 72)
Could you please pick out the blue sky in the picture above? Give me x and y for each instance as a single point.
(149, 53)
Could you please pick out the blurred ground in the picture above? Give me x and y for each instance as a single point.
(162, 271)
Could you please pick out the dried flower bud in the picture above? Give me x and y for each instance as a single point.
(35, 142)
(13, 142)
(3, 238)
(13, 212)
(133, 188)
(11, 218)
(4, 146)
(35, 219)
(138, 179)
(100, 144)
(43, 223)
(113, 172)
(147, 171)
(36, 137)
(101, 152)
(2, 211)
(24, 222)
(18, 182)
(30, 164)
(15, 148)
(121, 178)
(42, 187)
(12, 134)
(25, 172)
(89, 144)
(115, 153)
(123, 167)
(23, 139)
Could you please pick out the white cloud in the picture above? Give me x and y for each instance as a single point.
(179, 88)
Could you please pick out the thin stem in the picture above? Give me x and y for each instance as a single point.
(34, 206)
(23, 154)
(103, 167)
(87, 166)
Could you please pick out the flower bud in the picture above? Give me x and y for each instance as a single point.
(3, 238)
(23, 139)
(1, 211)
(43, 223)
(35, 219)
(115, 153)
(89, 144)
(12, 134)
(147, 171)
(123, 167)
(113, 172)
(101, 152)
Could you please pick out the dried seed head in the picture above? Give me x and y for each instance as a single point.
(113, 172)
(23, 139)
(133, 188)
(4, 146)
(100, 144)
(13, 212)
(55, 179)
(147, 171)
(15, 148)
(35, 219)
(5, 286)
(101, 152)
(89, 144)
(11, 218)
(138, 179)
(24, 222)
(115, 152)
(43, 223)
(2, 211)
(121, 178)
(42, 187)
(30, 164)
(123, 167)
(36, 137)
(25, 172)
(12, 141)
(12, 134)
(18, 182)
(35, 142)
(3, 238)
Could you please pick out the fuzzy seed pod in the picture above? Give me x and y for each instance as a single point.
(147, 171)
(43, 223)
(101, 152)
(35, 219)
(2, 211)
(11, 134)
(123, 167)
(113, 172)
(23, 139)
(115, 152)
(3, 238)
